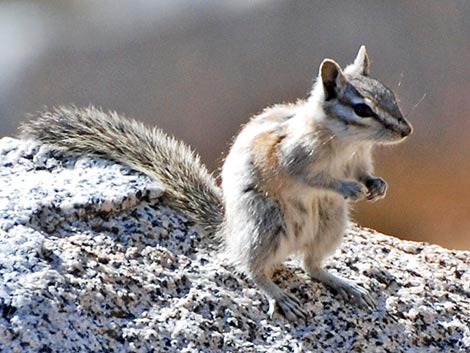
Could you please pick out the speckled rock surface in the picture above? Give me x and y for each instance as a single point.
(91, 260)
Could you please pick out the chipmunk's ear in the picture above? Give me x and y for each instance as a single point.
(332, 78)
(361, 64)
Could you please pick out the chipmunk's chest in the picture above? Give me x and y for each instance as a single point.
(301, 218)
(306, 211)
(341, 163)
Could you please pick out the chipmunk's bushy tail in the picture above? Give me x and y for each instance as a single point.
(189, 186)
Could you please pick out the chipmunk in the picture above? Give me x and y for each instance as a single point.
(287, 180)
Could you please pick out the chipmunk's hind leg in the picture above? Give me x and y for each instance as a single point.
(332, 223)
(280, 301)
(260, 245)
(348, 290)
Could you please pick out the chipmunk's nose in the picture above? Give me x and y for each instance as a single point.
(406, 131)
(405, 127)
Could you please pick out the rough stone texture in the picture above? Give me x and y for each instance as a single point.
(91, 260)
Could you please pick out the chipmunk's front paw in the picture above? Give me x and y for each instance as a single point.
(352, 190)
(288, 306)
(377, 188)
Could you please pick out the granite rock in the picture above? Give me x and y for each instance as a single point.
(92, 260)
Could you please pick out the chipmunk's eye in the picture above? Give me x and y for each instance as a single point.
(363, 110)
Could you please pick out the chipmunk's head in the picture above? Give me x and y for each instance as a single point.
(357, 106)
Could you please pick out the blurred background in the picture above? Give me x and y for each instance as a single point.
(199, 69)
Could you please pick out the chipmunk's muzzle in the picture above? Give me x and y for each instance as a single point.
(405, 128)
